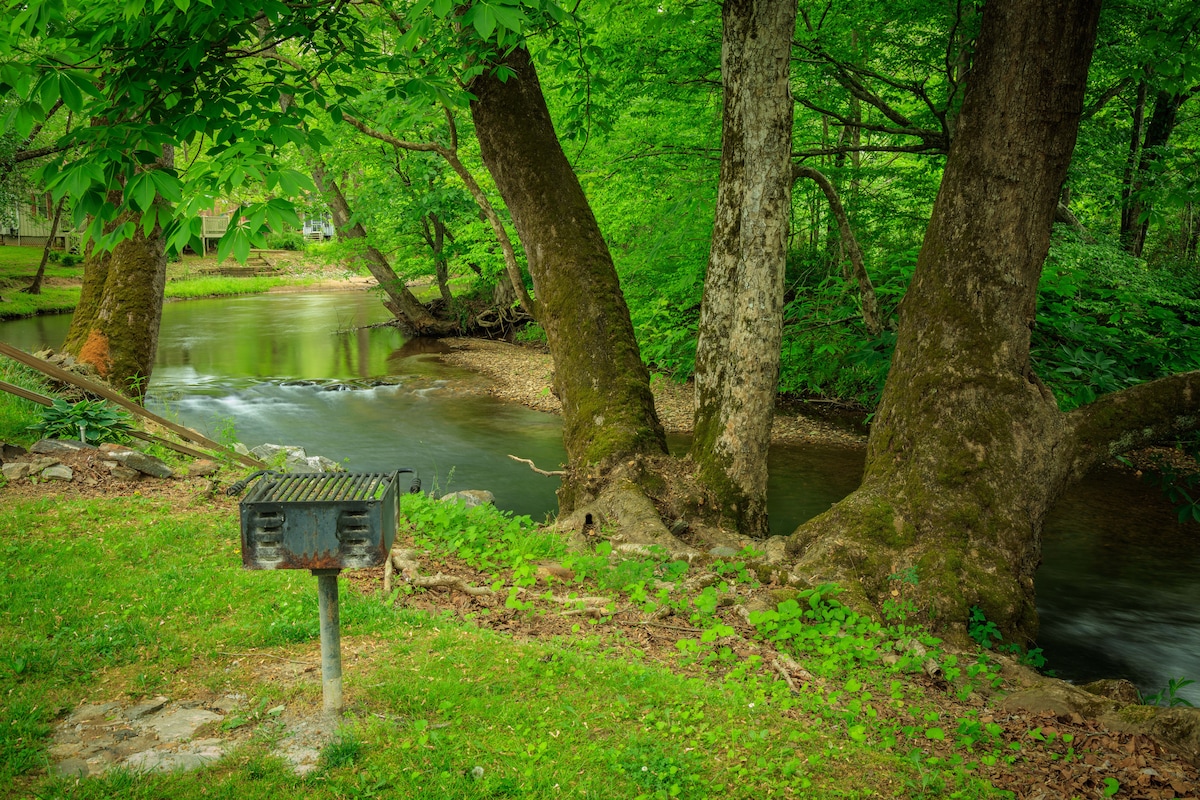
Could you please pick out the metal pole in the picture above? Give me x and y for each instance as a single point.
(331, 640)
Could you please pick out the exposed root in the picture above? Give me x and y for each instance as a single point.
(404, 562)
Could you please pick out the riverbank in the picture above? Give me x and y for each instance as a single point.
(189, 278)
(523, 374)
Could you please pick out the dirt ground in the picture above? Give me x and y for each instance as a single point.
(523, 375)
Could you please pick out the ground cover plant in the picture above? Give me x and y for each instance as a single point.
(580, 674)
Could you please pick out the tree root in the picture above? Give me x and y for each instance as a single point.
(404, 562)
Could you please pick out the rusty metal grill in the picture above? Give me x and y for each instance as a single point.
(338, 520)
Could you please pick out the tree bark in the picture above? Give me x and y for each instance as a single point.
(401, 302)
(1135, 222)
(608, 410)
(741, 315)
(969, 450)
(115, 326)
(36, 286)
(858, 267)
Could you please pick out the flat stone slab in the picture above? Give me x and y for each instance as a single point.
(180, 723)
(15, 470)
(194, 756)
(147, 465)
(53, 447)
(59, 472)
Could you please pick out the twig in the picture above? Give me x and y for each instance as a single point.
(264, 655)
(670, 627)
(548, 473)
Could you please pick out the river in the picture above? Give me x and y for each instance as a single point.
(1118, 591)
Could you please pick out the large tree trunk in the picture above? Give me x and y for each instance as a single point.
(608, 410)
(401, 302)
(115, 326)
(741, 317)
(968, 449)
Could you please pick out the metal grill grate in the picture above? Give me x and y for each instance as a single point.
(336, 487)
(339, 520)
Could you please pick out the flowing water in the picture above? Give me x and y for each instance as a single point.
(1118, 592)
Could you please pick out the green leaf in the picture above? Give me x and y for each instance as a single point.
(484, 21)
(442, 7)
(937, 734)
(141, 190)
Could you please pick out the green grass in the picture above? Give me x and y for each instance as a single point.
(96, 607)
(17, 414)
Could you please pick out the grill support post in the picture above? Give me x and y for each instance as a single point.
(331, 641)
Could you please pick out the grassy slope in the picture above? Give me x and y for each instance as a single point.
(92, 608)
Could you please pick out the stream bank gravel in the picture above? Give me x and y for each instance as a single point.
(520, 374)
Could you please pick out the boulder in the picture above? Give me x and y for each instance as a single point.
(58, 472)
(147, 465)
(54, 447)
(203, 466)
(1058, 698)
(295, 459)
(42, 462)
(15, 470)
(10, 451)
(122, 472)
(470, 497)
(1124, 692)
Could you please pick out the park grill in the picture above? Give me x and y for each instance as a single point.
(324, 522)
(338, 520)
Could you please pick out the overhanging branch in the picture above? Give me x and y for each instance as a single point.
(1139, 416)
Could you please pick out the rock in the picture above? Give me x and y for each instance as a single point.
(203, 466)
(311, 464)
(148, 465)
(269, 451)
(142, 709)
(15, 470)
(723, 552)
(241, 449)
(775, 549)
(58, 472)
(1058, 698)
(122, 472)
(1122, 691)
(41, 462)
(11, 451)
(111, 447)
(58, 446)
(470, 497)
(181, 723)
(91, 711)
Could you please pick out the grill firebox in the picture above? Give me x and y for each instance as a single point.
(337, 520)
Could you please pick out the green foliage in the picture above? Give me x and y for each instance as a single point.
(981, 629)
(1106, 321)
(1169, 695)
(531, 334)
(285, 240)
(89, 421)
(485, 537)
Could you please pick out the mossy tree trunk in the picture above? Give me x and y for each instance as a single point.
(969, 450)
(115, 326)
(608, 410)
(741, 316)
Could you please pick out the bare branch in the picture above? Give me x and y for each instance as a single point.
(870, 306)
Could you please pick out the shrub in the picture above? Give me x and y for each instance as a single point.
(285, 240)
(91, 421)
